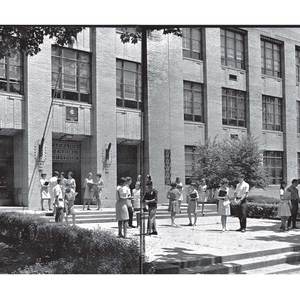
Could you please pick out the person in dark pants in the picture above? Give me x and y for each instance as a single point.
(129, 202)
(241, 194)
(295, 200)
(150, 198)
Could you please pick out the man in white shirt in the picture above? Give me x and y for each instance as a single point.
(52, 184)
(241, 194)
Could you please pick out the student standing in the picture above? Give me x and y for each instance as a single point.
(224, 203)
(137, 202)
(179, 186)
(192, 199)
(58, 202)
(88, 191)
(202, 194)
(294, 200)
(69, 204)
(99, 184)
(173, 196)
(284, 206)
(121, 208)
(241, 194)
(45, 195)
(129, 201)
(150, 198)
(52, 184)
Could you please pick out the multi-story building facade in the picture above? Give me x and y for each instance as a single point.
(212, 82)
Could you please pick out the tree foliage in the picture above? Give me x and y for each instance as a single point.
(28, 38)
(228, 159)
(134, 37)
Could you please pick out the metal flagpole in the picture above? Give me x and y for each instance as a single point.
(144, 153)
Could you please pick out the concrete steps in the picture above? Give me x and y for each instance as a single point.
(273, 261)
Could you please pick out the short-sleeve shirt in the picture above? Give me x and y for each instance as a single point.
(241, 189)
(174, 194)
(193, 195)
(151, 196)
(58, 194)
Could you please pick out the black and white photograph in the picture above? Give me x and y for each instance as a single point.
(150, 148)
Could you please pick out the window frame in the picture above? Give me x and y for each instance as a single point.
(269, 163)
(122, 101)
(297, 63)
(190, 150)
(264, 58)
(298, 116)
(8, 82)
(228, 96)
(225, 59)
(188, 53)
(193, 90)
(277, 104)
(61, 92)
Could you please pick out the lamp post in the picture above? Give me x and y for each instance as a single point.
(144, 153)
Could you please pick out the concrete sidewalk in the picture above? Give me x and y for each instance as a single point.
(185, 243)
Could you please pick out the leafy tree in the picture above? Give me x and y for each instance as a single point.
(228, 159)
(29, 38)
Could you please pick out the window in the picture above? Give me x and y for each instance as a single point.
(128, 84)
(126, 29)
(233, 107)
(298, 116)
(11, 73)
(298, 165)
(272, 113)
(273, 164)
(192, 43)
(271, 57)
(232, 49)
(74, 81)
(191, 157)
(193, 101)
(298, 65)
(167, 163)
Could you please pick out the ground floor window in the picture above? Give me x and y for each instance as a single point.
(273, 164)
(6, 171)
(191, 157)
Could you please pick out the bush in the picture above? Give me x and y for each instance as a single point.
(259, 210)
(263, 199)
(88, 251)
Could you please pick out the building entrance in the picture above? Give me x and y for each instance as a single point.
(6, 171)
(66, 156)
(127, 161)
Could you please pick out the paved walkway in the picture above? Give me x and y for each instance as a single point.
(186, 243)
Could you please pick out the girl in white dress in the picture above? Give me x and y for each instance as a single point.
(284, 206)
(45, 195)
(88, 191)
(202, 194)
(223, 203)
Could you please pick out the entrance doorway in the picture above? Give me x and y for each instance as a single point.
(66, 156)
(127, 161)
(6, 171)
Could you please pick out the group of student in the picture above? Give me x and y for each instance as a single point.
(60, 192)
(130, 201)
(197, 195)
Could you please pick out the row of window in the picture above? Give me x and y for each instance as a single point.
(233, 53)
(272, 161)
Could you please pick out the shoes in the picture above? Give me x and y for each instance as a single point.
(190, 224)
(295, 227)
(223, 229)
(243, 230)
(88, 208)
(131, 226)
(120, 235)
(239, 229)
(154, 233)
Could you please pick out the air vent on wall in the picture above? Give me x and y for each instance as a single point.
(232, 77)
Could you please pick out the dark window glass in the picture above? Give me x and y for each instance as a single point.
(298, 116)
(192, 43)
(298, 65)
(271, 58)
(11, 73)
(273, 164)
(71, 74)
(128, 84)
(193, 101)
(232, 49)
(272, 113)
(233, 107)
(191, 159)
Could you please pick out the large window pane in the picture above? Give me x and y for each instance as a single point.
(193, 101)
(192, 43)
(271, 58)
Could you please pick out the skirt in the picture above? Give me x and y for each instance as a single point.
(122, 210)
(174, 207)
(223, 210)
(284, 209)
(192, 206)
(88, 193)
(45, 195)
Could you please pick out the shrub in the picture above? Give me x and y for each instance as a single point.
(93, 251)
